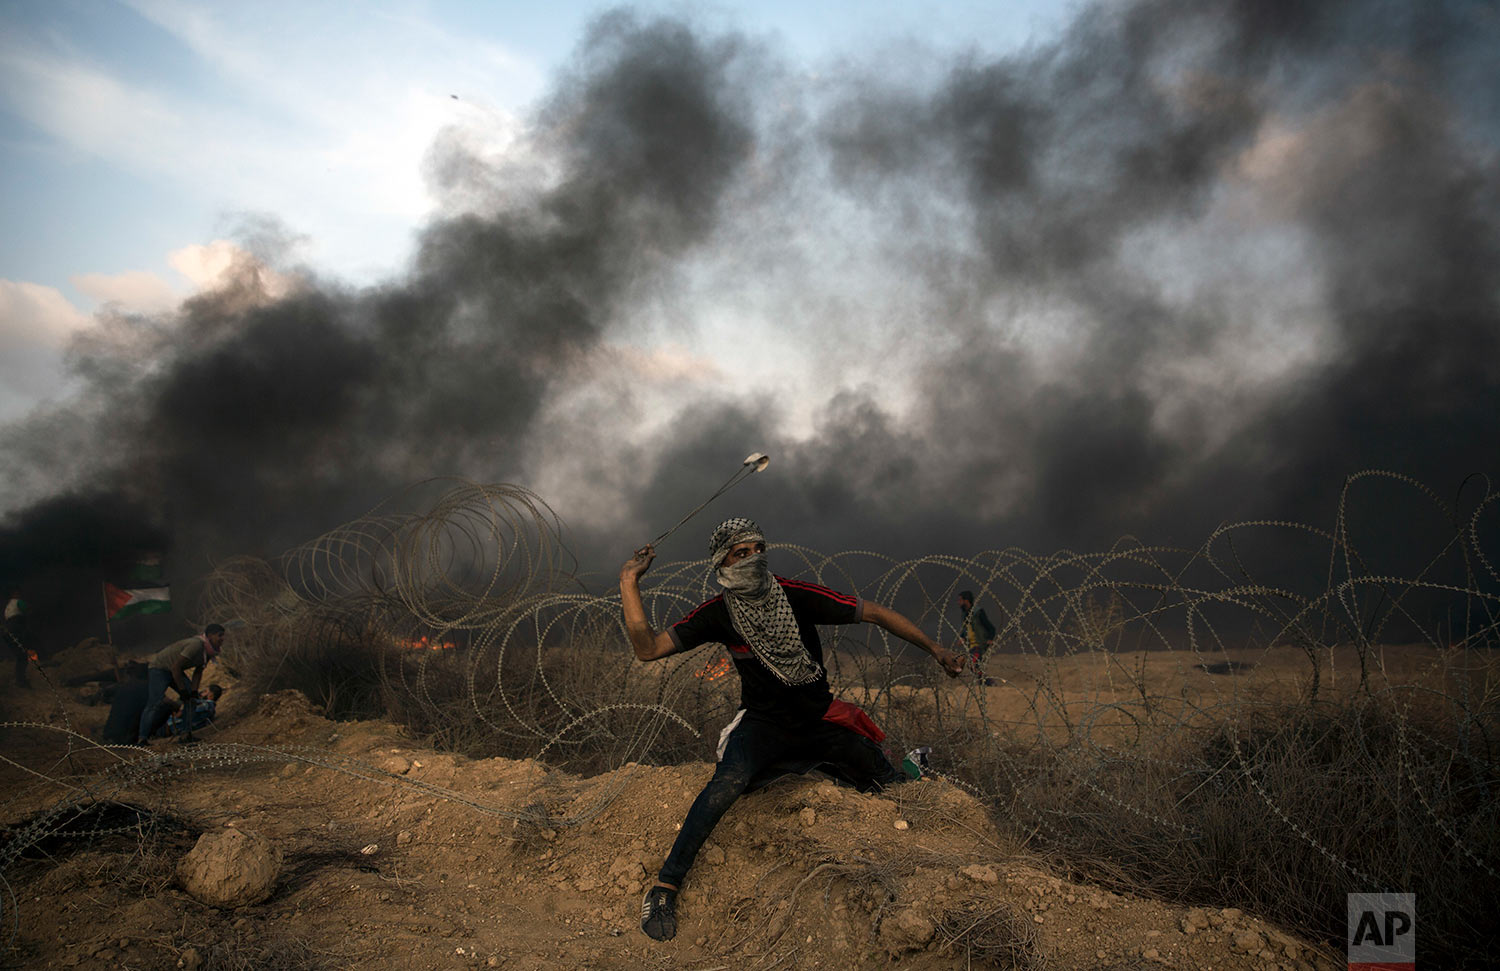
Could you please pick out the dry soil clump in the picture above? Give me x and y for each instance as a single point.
(230, 868)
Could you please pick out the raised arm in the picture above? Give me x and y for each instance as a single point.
(648, 644)
(898, 624)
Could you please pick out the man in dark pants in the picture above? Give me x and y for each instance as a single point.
(769, 625)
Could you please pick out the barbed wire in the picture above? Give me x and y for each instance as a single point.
(1108, 708)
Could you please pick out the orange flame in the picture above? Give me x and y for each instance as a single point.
(423, 644)
(716, 669)
(32, 655)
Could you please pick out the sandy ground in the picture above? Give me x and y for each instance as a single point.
(393, 856)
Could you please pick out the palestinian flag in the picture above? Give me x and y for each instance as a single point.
(127, 603)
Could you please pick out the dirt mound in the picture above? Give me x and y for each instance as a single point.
(89, 656)
(230, 868)
(289, 708)
(395, 856)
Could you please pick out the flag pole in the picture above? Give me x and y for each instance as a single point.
(109, 637)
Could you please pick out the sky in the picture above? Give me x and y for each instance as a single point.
(975, 274)
(138, 136)
(133, 130)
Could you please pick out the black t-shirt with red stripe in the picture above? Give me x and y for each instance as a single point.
(761, 691)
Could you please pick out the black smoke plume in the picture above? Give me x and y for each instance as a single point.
(263, 413)
(1185, 263)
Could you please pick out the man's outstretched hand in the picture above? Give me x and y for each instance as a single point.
(635, 567)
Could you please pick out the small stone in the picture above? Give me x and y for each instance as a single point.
(907, 929)
(808, 816)
(1248, 941)
(902, 824)
(493, 962)
(980, 873)
(370, 849)
(1101, 954)
(1151, 954)
(403, 837)
(1038, 918)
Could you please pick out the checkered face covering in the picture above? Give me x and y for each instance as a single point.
(758, 606)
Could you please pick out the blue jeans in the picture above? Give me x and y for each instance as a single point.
(757, 745)
(157, 682)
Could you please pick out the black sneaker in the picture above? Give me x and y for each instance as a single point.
(659, 913)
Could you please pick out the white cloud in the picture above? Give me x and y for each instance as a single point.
(36, 322)
(132, 290)
(34, 314)
(204, 265)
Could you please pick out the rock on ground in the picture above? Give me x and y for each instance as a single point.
(230, 868)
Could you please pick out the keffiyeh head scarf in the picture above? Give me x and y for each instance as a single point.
(758, 606)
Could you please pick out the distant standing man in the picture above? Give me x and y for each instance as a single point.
(169, 667)
(769, 625)
(16, 635)
(979, 633)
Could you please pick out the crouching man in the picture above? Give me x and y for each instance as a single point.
(769, 625)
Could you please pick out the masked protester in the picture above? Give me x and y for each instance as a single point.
(788, 719)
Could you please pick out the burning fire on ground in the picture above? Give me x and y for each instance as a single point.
(716, 669)
(424, 644)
